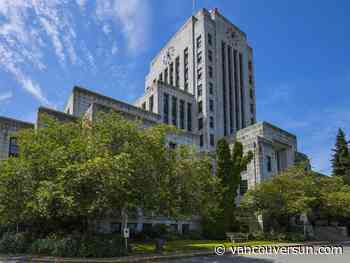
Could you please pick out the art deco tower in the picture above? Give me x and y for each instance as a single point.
(210, 58)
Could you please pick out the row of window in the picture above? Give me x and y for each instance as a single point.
(175, 103)
(13, 147)
(150, 104)
(200, 123)
(234, 116)
(200, 89)
(168, 75)
(211, 140)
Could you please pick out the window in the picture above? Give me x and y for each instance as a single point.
(199, 90)
(199, 74)
(166, 108)
(151, 103)
(210, 55)
(13, 147)
(185, 228)
(116, 227)
(174, 110)
(133, 228)
(210, 40)
(186, 69)
(186, 56)
(200, 123)
(155, 81)
(186, 74)
(186, 86)
(172, 145)
(211, 122)
(200, 106)
(182, 114)
(252, 121)
(166, 75)
(211, 88)
(252, 108)
(199, 41)
(201, 140)
(269, 163)
(144, 106)
(250, 66)
(199, 57)
(171, 73)
(210, 71)
(160, 77)
(251, 94)
(177, 72)
(211, 105)
(189, 117)
(212, 141)
(243, 187)
(250, 79)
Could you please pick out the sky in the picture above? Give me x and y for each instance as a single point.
(301, 56)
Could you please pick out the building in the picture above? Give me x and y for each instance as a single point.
(210, 58)
(8, 140)
(202, 82)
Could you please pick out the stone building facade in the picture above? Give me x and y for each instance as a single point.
(8, 141)
(211, 59)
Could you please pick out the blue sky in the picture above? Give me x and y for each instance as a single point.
(301, 50)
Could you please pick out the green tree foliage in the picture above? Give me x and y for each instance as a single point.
(69, 174)
(341, 157)
(297, 191)
(230, 165)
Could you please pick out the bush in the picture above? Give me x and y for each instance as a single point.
(43, 246)
(258, 236)
(193, 235)
(156, 231)
(14, 242)
(100, 245)
(295, 237)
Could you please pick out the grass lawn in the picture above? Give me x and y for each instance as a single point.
(186, 245)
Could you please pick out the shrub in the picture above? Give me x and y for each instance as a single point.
(43, 246)
(193, 235)
(14, 242)
(100, 245)
(295, 237)
(259, 236)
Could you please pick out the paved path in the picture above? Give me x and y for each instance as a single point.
(345, 258)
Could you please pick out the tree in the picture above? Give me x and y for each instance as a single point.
(230, 165)
(298, 191)
(70, 174)
(341, 157)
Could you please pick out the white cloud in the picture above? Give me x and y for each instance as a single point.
(81, 3)
(35, 35)
(6, 96)
(134, 16)
(32, 87)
